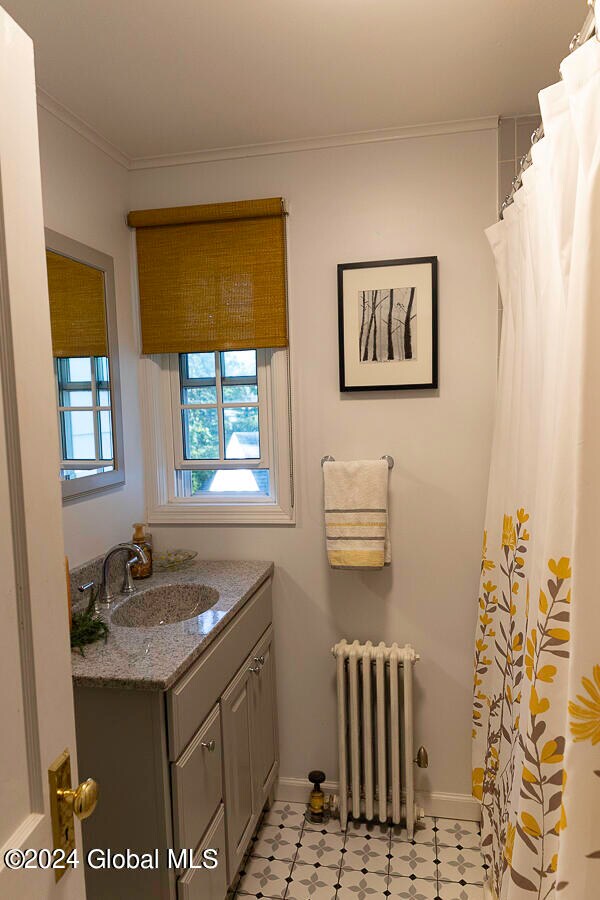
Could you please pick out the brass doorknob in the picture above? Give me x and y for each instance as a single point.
(83, 799)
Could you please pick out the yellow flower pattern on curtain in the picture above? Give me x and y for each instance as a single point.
(520, 647)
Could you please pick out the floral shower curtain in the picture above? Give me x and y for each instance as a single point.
(536, 703)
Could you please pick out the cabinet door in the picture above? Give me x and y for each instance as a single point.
(207, 884)
(263, 720)
(196, 783)
(237, 768)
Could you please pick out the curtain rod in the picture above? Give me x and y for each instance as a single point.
(587, 31)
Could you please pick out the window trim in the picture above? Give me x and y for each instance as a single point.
(163, 506)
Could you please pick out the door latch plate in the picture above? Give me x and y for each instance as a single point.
(63, 825)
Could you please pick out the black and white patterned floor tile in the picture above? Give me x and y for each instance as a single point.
(292, 860)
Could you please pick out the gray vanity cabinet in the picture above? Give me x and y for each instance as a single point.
(264, 722)
(190, 767)
(236, 724)
(250, 734)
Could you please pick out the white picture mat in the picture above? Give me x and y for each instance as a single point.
(407, 371)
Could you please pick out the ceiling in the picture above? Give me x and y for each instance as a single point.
(159, 78)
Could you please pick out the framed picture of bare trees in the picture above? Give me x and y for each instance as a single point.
(388, 324)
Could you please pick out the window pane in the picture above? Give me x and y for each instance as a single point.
(200, 434)
(199, 395)
(236, 363)
(200, 365)
(78, 368)
(76, 398)
(102, 371)
(104, 398)
(106, 442)
(241, 432)
(230, 480)
(78, 435)
(238, 393)
(69, 474)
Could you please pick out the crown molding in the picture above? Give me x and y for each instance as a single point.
(318, 143)
(73, 121)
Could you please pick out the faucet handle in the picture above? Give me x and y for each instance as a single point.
(88, 586)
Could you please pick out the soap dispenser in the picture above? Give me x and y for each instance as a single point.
(140, 569)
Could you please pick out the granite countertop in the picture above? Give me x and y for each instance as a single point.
(153, 658)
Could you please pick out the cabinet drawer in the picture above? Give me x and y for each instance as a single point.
(198, 691)
(207, 884)
(196, 779)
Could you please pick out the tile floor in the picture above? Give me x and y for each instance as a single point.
(291, 859)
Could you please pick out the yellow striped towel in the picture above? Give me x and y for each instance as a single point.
(356, 514)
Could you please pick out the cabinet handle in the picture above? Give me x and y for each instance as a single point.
(255, 670)
(260, 660)
(208, 745)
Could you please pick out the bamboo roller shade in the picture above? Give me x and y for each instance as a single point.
(212, 277)
(77, 310)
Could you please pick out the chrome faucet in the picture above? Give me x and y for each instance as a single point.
(105, 596)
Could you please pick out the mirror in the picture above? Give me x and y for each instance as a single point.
(81, 290)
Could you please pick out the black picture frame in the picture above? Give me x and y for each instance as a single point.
(432, 368)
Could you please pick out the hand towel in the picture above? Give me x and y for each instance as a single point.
(356, 514)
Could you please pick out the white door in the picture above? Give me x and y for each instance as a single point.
(36, 700)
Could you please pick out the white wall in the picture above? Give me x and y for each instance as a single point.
(418, 197)
(85, 197)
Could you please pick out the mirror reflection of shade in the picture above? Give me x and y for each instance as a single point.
(82, 368)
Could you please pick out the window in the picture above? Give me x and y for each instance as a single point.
(219, 426)
(214, 335)
(218, 437)
(84, 413)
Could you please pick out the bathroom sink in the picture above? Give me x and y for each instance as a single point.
(165, 605)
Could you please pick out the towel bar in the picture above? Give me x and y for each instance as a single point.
(386, 456)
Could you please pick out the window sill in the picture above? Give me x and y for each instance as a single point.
(186, 513)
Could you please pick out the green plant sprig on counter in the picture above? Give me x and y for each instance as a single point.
(86, 626)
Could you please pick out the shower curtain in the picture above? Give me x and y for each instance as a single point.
(536, 699)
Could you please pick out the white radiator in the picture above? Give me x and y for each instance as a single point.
(375, 732)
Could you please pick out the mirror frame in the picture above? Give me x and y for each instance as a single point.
(65, 246)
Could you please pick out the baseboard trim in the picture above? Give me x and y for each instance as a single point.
(296, 790)
(434, 803)
(449, 806)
